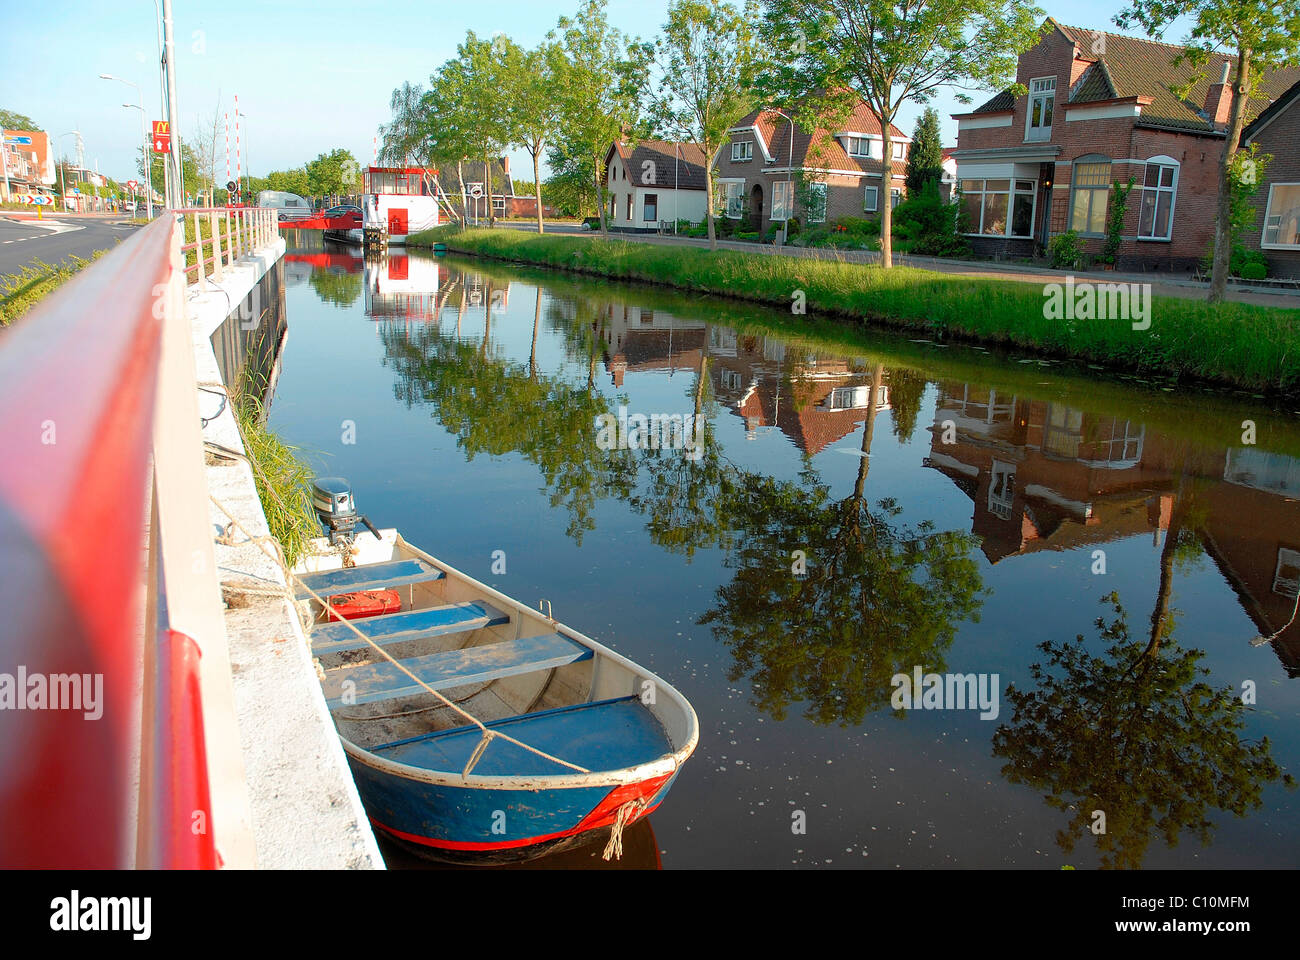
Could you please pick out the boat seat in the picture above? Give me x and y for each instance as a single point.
(601, 735)
(409, 625)
(371, 576)
(451, 668)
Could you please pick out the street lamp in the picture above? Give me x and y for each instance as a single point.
(144, 140)
(243, 143)
(789, 173)
(62, 179)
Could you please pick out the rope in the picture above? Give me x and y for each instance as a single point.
(626, 814)
(488, 735)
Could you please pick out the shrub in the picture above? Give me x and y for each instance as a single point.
(746, 235)
(1254, 271)
(924, 224)
(1115, 220)
(1066, 250)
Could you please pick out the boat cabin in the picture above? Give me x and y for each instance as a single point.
(401, 200)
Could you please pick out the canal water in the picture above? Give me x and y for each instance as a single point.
(1114, 563)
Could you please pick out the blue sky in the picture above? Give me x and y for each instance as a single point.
(310, 75)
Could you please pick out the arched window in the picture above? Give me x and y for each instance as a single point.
(1159, 191)
(1089, 192)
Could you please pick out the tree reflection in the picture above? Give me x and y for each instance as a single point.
(336, 286)
(878, 597)
(1135, 732)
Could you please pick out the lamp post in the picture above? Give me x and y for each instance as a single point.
(63, 188)
(789, 173)
(144, 140)
(243, 138)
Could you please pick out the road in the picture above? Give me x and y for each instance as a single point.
(53, 240)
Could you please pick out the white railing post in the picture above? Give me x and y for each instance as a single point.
(198, 253)
(216, 245)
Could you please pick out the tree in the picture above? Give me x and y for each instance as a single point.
(423, 132)
(707, 58)
(12, 120)
(925, 158)
(205, 139)
(333, 173)
(1261, 36)
(599, 83)
(531, 78)
(889, 53)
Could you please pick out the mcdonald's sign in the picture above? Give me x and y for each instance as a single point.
(162, 137)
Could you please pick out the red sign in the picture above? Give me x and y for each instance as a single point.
(131, 185)
(162, 137)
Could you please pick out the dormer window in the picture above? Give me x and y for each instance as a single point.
(742, 150)
(1042, 98)
(858, 146)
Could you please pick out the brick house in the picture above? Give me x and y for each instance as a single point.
(757, 168)
(504, 201)
(655, 182)
(1099, 110)
(1276, 131)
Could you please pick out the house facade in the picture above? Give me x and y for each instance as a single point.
(758, 169)
(28, 163)
(1276, 232)
(1099, 109)
(654, 184)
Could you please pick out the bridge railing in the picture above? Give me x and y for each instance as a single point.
(218, 236)
(124, 750)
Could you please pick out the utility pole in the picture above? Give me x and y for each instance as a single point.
(177, 181)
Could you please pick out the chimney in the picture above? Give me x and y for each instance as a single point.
(505, 162)
(1218, 99)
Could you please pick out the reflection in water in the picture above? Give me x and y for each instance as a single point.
(811, 447)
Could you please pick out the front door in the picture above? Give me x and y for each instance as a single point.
(397, 221)
(756, 209)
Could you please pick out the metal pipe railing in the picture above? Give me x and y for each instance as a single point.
(101, 422)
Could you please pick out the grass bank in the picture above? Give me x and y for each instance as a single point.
(283, 481)
(21, 291)
(1232, 344)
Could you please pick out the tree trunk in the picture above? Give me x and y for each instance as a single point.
(537, 321)
(600, 198)
(464, 200)
(876, 376)
(1223, 219)
(487, 189)
(537, 184)
(886, 195)
(487, 317)
(708, 200)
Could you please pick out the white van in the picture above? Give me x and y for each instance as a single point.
(288, 206)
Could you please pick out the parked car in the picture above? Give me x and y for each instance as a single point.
(288, 206)
(343, 210)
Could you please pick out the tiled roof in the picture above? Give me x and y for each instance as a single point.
(667, 170)
(999, 104)
(1284, 102)
(825, 150)
(1143, 68)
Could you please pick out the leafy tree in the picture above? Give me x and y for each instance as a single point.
(531, 79)
(889, 53)
(12, 120)
(925, 158)
(707, 58)
(1261, 36)
(600, 80)
(336, 172)
(289, 181)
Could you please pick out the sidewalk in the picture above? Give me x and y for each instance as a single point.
(1162, 285)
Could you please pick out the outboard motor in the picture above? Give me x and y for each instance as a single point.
(331, 497)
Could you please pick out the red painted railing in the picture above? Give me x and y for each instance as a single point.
(81, 591)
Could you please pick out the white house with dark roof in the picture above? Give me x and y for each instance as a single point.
(654, 183)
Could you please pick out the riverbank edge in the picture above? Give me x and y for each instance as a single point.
(1234, 345)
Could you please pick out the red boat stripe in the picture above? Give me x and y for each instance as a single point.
(485, 846)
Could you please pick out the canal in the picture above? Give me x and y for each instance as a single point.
(1109, 559)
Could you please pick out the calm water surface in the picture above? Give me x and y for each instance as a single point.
(1109, 550)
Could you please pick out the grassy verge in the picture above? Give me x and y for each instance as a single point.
(283, 480)
(1233, 344)
(20, 291)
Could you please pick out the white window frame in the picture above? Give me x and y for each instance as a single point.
(728, 198)
(895, 197)
(1161, 161)
(872, 206)
(1093, 191)
(742, 151)
(1040, 91)
(1268, 215)
(864, 146)
(645, 206)
(818, 188)
(1011, 193)
(782, 206)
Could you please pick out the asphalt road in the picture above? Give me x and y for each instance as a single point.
(22, 242)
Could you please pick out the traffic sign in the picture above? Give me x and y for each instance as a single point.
(475, 190)
(16, 138)
(162, 138)
(35, 199)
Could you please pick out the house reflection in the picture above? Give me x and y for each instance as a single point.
(1046, 476)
